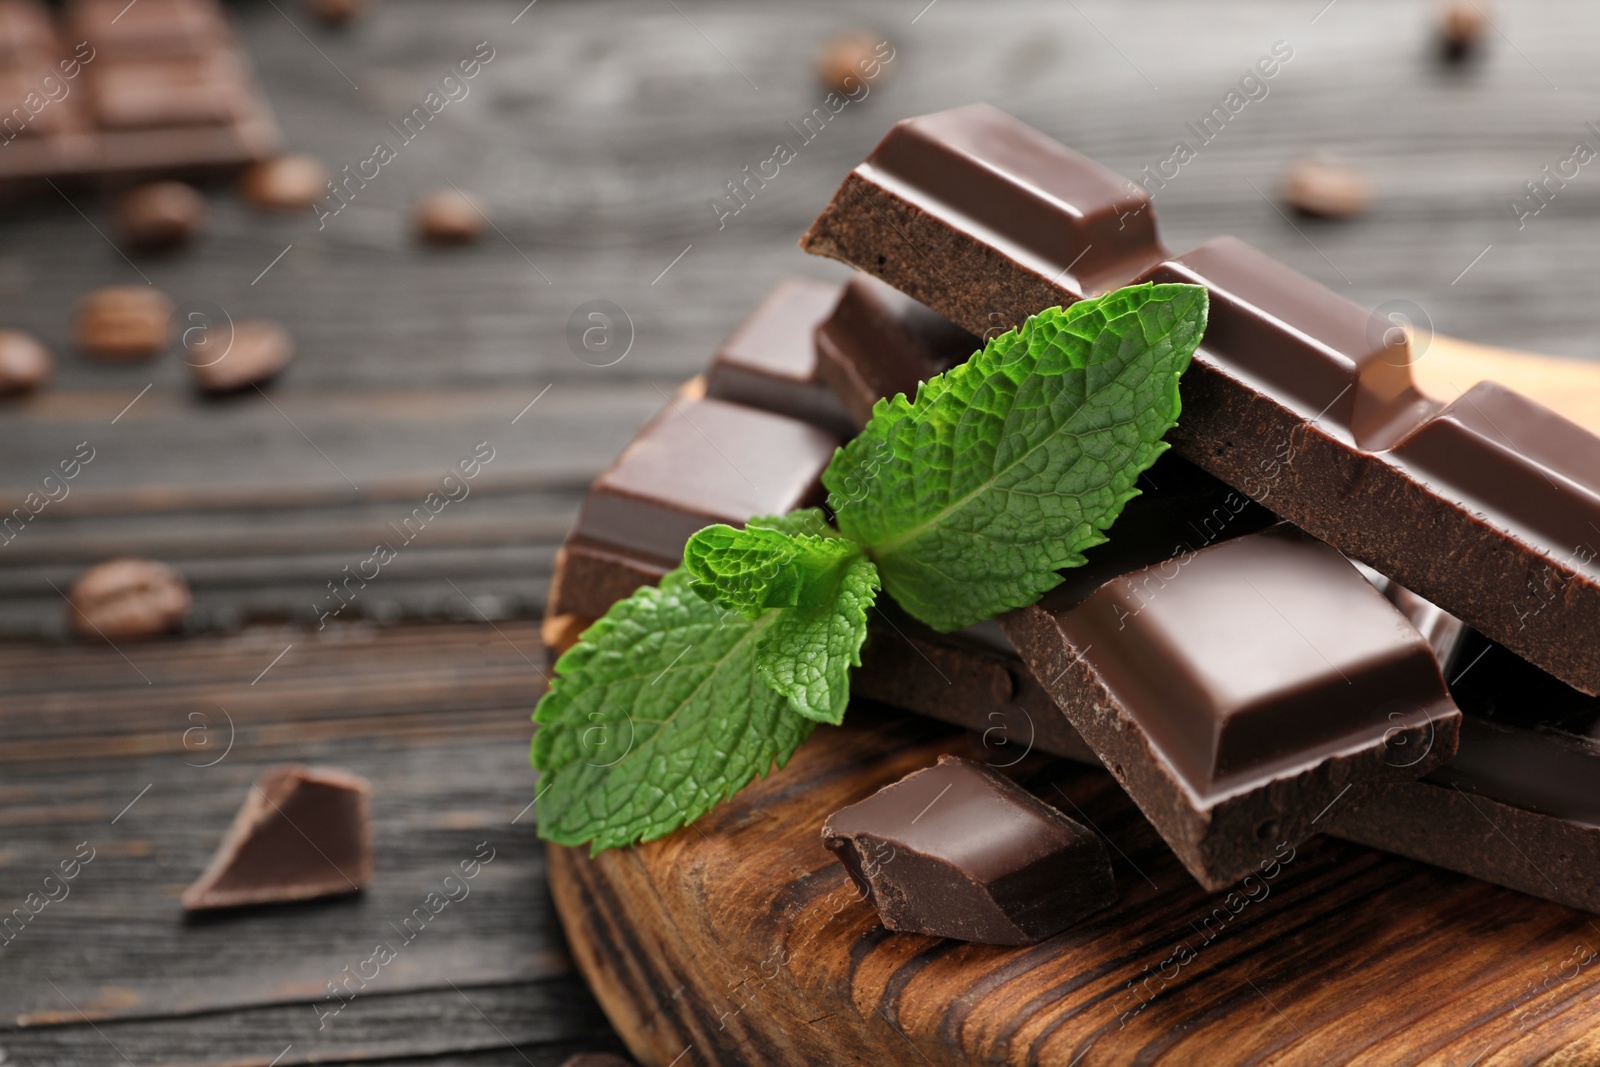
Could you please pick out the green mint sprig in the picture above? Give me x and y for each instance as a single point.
(964, 502)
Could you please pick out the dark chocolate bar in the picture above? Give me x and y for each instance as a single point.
(956, 850)
(878, 342)
(134, 89)
(770, 363)
(1297, 397)
(699, 462)
(300, 834)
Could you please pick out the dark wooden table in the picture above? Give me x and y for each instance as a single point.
(598, 134)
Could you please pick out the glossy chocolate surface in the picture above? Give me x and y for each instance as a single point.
(1334, 361)
(701, 462)
(770, 362)
(877, 342)
(1258, 653)
(957, 850)
(1549, 772)
(1052, 209)
(1517, 462)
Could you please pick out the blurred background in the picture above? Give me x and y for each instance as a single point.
(599, 140)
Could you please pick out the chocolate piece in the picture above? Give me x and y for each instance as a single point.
(25, 363)
(288, 183)
(956, 850)
(123, 322)
(161, 215)
(1294, 396)
(449, 217)
(1238, 692)
(878, 342)
(1326, 189)
(256, 353)
(170, 92)
(986, 220)
(301, 833)
(127, 598)
(697, 463)
(166, 87)
(770, 363)
(1519, 805)
(148, 29)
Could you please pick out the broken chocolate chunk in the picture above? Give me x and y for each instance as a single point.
(301, 833)
(956, 850)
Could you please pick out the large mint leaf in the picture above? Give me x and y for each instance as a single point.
(655, 716)
(1006, 468)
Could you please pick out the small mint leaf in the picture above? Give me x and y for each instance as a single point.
(1006, 468)
(757, 568)
(811, 590)
(654, 717)
(806, 654)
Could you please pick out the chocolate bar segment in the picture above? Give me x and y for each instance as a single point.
(1295, 396)
(986, 220)
(1239, 691)
(770, 363)
(155, 86)
(959, 851)
(877, 343)
(1519, 805)
(699, 462)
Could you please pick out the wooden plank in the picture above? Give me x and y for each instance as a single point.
(435, 717)
(744, 940)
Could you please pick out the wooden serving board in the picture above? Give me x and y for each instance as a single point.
(740, 940)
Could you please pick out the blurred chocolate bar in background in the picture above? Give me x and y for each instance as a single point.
(118, 90)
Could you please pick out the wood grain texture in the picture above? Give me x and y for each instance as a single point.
(130, 751)
(741, 940)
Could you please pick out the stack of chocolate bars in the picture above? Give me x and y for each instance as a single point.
(1338, 606)
(113, 88)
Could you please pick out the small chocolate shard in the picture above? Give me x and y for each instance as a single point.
(301, 833)
(956, 850)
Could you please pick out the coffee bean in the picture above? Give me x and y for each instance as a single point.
(1325, 188)
(125, 598)
(449, 216)
(336, 12)
(848, 61)
(25, 363)
(1462, 28)
(288, 183)
(161, 215)
(123, 322)
(255, 353)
